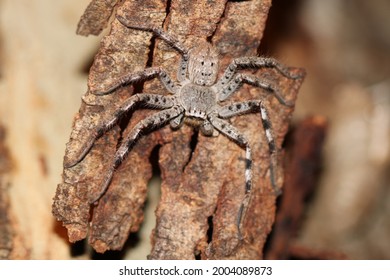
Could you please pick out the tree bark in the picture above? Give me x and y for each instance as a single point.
(302, 172)
(202, 184)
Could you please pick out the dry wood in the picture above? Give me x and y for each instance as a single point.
(95, 17)
(202, 187)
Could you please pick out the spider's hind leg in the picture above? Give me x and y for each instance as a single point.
(251, 106)
(150, 123)
(233, 134)
(240, 108)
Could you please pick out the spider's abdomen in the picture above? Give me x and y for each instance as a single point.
(197, 100)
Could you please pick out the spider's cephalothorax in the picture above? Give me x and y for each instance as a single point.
(196, 95)
(196, 98)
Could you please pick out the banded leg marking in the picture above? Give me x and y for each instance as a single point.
(154, 121)
(148, 73)
(233, 134)
(173, 42)
(148, 100)
(247, 107)
(240, 79)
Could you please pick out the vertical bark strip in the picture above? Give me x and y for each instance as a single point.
(95, 17)
(119, 211)
(303, 164)
(189, 189)
(201, 187)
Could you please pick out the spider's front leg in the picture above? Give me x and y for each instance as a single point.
(169, 39)
(173, 42)
(230, 82)
(240, 79)
(153, 101)
(255, 62)
(152, 122)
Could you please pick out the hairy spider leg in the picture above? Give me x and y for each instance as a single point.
(173, 42)
(153, 101)
(182, 70)
(247, 107)
(256, 62)
(233, 134)
(148, 73)
(170, 40)
(150, 123)
(253, 62)
(239, 79)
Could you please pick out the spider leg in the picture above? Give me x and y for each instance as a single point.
(152, 122)
(147, 100)
(208, 129)
(253, 62)
(246, 107)
(240, 108)
(169, 39)
(176, 122)
(148, 73)
(233, 134)
(182, 70)
(240, 79)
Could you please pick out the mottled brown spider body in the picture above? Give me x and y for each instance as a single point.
(197, 98)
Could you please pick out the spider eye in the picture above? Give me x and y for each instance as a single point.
(202, 63)
(212, 64)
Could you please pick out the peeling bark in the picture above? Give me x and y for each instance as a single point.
(198, 186)
(303, 166)
(96, 17)
(121, 51)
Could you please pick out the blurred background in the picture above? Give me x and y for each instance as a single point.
(345, 47)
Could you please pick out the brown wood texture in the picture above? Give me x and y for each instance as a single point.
(96, 17)
(202, 184)
(302, 171)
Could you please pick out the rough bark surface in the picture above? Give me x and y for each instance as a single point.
(203, 185)
(96, 17)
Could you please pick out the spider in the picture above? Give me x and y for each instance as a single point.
(195, 99)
